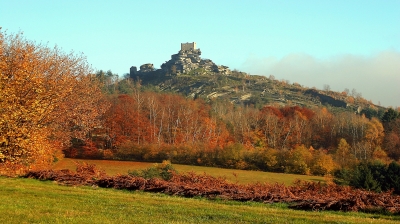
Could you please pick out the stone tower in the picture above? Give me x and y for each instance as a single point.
(133, 70)
(188, 46)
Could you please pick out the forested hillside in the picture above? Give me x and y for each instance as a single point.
(156, 126)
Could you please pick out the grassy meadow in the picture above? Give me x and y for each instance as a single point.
(33, 201)
(239, 176)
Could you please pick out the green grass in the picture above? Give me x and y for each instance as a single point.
(33, 201)
(242, 176)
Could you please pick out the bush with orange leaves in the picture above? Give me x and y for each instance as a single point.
(47, 97)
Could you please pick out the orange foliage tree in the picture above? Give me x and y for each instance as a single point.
(286, 127)
(46, 97)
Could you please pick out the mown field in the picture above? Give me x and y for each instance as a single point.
(239, 176)
(33, 201)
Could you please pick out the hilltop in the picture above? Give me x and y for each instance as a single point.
(187, 73)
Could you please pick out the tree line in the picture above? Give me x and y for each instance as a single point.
(145, 125)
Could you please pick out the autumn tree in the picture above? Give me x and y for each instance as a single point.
(391, 142)
(322, 163)
(285, 127)
(298, 160)
(46, 97)
(322, 126)
(374, 134)
(343, 156)
(108, 80)
(380, 155)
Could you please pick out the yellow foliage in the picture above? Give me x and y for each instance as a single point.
(343, 157)
(381, 155)
(375, 132)
(270, 158)
(298, 160)
(323, 163)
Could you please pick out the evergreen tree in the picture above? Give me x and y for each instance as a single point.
(390, 115)
(363, 178)
(393, 177)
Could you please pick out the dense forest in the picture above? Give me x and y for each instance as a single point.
(150, 126)
(52, 104)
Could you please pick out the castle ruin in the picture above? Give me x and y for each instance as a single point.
(188, 46)
(186, 60)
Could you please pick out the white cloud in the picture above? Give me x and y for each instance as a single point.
(377, 77)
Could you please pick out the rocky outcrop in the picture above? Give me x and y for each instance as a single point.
(189, 60)
(186, 61)
(326, 99)
(147, 68)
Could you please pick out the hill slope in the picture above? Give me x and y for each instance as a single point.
(187, 73)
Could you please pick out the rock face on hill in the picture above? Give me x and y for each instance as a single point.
(190, 75)
(326, 99)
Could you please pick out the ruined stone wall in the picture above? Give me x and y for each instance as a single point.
(188, 46)
(133, 70)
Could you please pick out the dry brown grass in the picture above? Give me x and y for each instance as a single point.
(113, 167)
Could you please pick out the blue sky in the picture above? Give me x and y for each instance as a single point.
(346, 44)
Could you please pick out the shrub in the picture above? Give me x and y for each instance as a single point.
(108, 154)
(230, 156)
(342, 176)
(129, 151)
(163, 171)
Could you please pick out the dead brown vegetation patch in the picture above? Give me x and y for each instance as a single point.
(303, 195)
